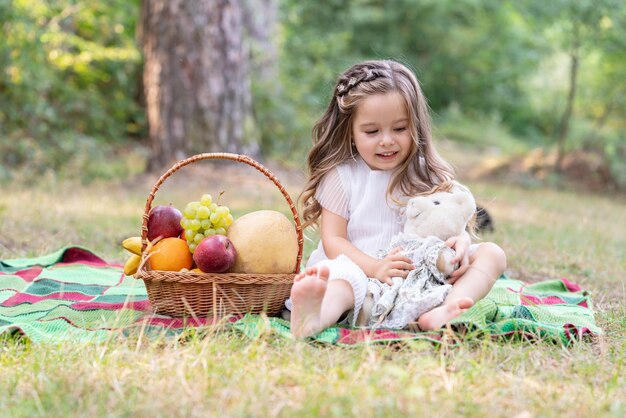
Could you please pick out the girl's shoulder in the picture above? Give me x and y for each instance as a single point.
(354, 166)
(345, 176)
(355, 171)
(345, 169)
(350, 164)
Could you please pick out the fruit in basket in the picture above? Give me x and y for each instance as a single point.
(204, 218)
(164, 222)
(266, 242)
(132, 244)
(215, 254)
(132, 264)
(170, 254)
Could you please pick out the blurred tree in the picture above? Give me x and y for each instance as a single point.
(576, 28)
(580, 23)
(196, 81)
(604, 86)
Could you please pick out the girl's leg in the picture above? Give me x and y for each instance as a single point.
(318, 303)
(487, 263)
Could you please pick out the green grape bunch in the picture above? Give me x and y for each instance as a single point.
(204, 218)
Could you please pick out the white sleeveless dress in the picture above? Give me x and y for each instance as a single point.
(358, 194)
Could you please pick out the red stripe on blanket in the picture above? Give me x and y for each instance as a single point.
(176, 322)
(348, 336)
(535, 300)
(28, 275)
(577, 334)
(167, 322)
(140, 305)
(78, 255)
(85, 263)
(548, 300)
(26, 298)
(572, 287)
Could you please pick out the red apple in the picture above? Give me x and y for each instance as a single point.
(215, 254)
(164, 222)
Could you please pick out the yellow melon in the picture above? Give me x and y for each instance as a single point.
(265, 241)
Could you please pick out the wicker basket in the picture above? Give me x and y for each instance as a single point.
(210, 294)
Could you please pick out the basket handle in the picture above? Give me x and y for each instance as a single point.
(222, 156)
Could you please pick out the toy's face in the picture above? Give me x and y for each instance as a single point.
(442, 214)
(420, 205)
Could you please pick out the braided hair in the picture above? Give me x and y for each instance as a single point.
(357, 74)
(332, 133)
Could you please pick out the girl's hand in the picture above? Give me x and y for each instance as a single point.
(393, 265)
(460, 244)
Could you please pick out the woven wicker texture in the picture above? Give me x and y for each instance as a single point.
(210, 294)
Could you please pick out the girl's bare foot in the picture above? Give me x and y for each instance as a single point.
(307, 294)
(441, 315)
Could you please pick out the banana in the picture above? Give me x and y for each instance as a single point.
(132, 244)
(132, 264)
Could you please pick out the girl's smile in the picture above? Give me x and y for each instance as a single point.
(387, 155)
(381, 131)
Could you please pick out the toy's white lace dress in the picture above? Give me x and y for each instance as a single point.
(424, 288)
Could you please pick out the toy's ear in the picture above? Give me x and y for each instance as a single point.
(464, 198)
(459, 196)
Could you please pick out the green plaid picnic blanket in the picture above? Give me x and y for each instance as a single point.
(74, 295)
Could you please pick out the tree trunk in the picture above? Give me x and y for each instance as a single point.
(196, 81)
(261, 22)
(571, 96)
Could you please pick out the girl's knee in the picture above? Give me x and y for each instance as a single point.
(493, 254)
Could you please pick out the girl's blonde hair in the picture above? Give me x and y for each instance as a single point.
(422, 170)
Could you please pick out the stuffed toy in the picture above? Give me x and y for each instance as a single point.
(430, 220)
(441, 214)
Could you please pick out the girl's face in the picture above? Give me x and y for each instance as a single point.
(381, 131)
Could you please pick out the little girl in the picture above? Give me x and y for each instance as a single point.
(372, 149)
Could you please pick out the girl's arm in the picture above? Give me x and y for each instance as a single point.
(334, 235)
(460, 244)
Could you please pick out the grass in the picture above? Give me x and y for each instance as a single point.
(545, 233)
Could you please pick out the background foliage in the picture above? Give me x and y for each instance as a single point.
(69, 79)
(70, 76)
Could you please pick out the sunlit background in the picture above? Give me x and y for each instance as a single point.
(536, 89)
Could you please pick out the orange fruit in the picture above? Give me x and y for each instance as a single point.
(170, 254)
